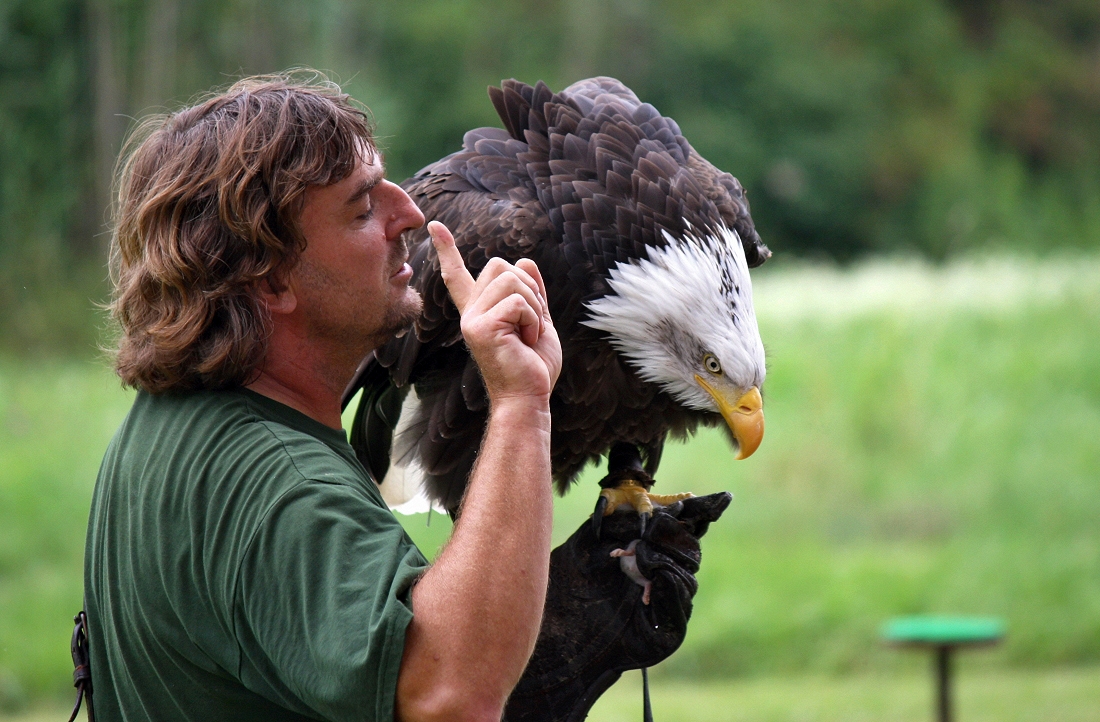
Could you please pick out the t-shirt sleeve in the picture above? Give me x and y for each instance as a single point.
(323, 600)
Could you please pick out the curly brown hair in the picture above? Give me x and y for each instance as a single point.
(208, 205)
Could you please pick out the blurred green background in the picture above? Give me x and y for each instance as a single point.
(928, 174)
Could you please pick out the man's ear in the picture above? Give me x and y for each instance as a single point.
(278, 294)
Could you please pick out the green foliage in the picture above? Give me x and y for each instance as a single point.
(40, 89)
(856, 126)
(45, 213)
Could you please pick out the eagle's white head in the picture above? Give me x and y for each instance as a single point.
(683, 319)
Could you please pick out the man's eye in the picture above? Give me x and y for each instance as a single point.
(367, 214)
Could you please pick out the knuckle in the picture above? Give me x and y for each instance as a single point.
(509, 283)
(497, 265)
(472, 327)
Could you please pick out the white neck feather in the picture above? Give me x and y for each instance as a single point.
(690, 297)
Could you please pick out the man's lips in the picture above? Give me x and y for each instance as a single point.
(403, 273)
(402, 270)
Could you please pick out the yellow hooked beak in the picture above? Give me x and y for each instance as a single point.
(745, 417)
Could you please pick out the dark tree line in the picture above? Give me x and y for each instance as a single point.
(857, 126)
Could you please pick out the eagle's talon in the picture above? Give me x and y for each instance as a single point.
(630, 494)
(643, 522)
(598, 514)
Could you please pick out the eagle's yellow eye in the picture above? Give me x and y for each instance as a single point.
(710, 361)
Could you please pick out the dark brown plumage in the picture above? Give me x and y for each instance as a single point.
(579, 181)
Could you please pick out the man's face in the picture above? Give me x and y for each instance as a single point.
(352, 279)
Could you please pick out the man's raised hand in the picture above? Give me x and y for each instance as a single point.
(505, 321)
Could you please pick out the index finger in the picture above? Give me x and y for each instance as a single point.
(459, 282)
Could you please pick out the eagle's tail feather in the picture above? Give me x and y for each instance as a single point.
(405, 485)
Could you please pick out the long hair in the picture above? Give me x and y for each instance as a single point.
(208, 205)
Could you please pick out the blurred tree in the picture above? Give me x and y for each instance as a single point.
(46, 204)
(934, 126)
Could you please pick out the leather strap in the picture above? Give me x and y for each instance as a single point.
(82, 671)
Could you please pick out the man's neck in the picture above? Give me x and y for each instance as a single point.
(306, 379)
(320, 407)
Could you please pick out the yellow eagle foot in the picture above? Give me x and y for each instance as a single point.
(630, 494)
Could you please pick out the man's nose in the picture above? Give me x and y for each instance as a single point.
(405, 215)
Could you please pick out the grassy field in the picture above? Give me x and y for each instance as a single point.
(1003, 696)
(931, 447)
(1056, 695)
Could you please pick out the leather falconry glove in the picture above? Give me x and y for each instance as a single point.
(596, 625)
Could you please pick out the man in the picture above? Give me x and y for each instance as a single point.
(240, 563)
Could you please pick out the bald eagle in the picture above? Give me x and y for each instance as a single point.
(645, 248)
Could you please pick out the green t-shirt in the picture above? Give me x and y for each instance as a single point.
(241, 565)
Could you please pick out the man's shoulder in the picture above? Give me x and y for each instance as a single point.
(239, 434)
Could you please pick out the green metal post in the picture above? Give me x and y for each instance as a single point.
(941, 660)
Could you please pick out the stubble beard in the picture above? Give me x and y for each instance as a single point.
(401, 315)
(397, 318)
(346, 322)
(403, 312)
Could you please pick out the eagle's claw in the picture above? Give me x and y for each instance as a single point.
(598, 514)
(629, 493)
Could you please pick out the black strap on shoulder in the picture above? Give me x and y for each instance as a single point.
(82, 672)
